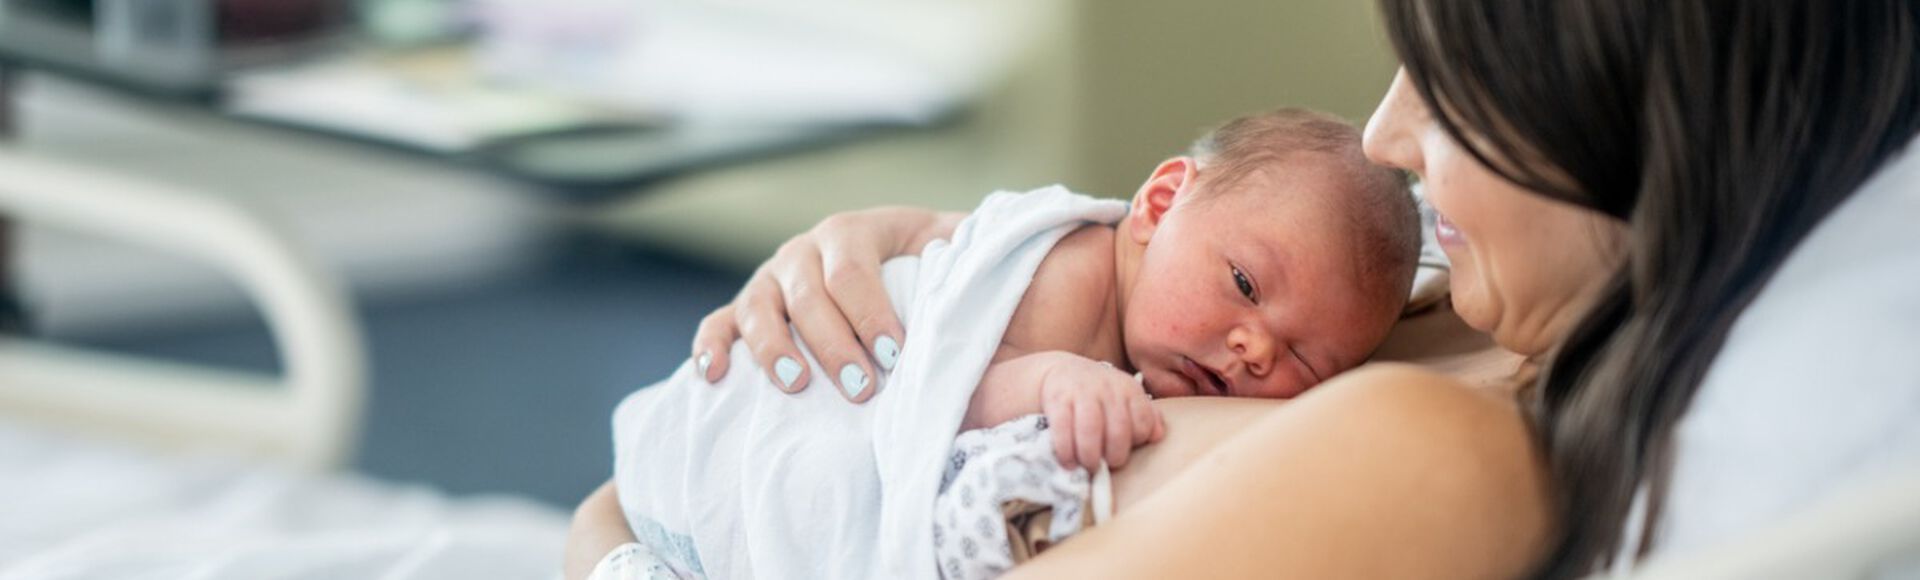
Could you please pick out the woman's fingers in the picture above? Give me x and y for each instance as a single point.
(824, 329)
(857, 288)
(763, 323)
(713, 342)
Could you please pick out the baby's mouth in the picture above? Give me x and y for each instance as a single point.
(1203, 378)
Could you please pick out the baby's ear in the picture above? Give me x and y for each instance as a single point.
(1171, 182)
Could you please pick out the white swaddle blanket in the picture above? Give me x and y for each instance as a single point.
(739, 480)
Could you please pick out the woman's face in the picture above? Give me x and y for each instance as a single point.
(1525, 267)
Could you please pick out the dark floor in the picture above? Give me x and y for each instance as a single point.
(505, 387)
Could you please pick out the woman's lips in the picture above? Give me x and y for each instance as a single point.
(1445, 233)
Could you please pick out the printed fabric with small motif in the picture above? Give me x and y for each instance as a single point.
(1004, 499)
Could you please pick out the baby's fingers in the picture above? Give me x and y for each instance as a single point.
(1088, 422)
(1147, 426)
(1159, 427)
(1120, 433)
(1060, 425)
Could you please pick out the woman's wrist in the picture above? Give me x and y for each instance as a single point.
(599, 528)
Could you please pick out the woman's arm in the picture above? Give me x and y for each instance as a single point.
(598, 527)
(1385, 472)
(826, 282)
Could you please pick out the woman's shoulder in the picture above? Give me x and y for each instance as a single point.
(1417, 396)
(1465, 457)
(1414, 411)
(1387, 456)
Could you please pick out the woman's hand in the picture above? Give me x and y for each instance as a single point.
(827, 283)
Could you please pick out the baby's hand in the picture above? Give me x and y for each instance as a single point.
(1096, 411)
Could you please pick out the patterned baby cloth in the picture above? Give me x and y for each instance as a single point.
(632, 561)
(1004, 499)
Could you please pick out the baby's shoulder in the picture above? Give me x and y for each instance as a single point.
(1079, 270)
(1084, 257)
(1064, 304)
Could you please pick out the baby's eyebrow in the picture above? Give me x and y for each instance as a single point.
(1274, 259)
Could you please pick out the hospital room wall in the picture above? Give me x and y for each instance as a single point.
(1153, 75)
(1099, 91)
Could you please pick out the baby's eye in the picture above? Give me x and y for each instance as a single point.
(1240, 281)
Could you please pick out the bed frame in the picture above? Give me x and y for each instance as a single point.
(307, 418)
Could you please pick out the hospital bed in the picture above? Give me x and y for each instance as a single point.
(114, 466)
(1872, 531)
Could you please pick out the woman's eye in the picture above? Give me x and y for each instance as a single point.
(1240, 281)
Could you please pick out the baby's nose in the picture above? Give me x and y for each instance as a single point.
(1255, 349)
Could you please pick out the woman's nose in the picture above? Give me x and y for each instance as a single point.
(1390, 139)
(1254, 347)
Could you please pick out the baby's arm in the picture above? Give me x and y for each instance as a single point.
(1095, 412)
(1011, 388)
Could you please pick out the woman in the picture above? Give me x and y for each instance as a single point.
(1621, 182)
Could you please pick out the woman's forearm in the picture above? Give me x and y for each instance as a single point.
(901, 230)
(598, 527)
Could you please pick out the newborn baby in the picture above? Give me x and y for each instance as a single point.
(1271, 257)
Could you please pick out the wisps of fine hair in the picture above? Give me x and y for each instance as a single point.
(1380, 210)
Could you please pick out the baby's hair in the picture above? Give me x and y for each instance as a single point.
(1382, 212)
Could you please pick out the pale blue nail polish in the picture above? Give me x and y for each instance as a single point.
(703, 362)
(886, 351)
(853, 380)
(788, 370)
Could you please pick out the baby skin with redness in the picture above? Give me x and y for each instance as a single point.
(1270, 258)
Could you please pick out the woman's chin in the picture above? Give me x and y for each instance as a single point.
(1474, 308)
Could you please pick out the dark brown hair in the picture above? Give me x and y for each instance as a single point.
(1720, 131)
(1380, 211)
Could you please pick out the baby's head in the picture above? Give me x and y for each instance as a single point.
(1269, 258)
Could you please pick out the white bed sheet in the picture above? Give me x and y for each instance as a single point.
(78, 508)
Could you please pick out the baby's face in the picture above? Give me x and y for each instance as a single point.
(1250, 294)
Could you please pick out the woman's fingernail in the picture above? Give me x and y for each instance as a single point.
(788, 370)
(886, 351)
(702, 362)
(853, 380)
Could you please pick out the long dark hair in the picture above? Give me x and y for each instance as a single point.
(1719, 131)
